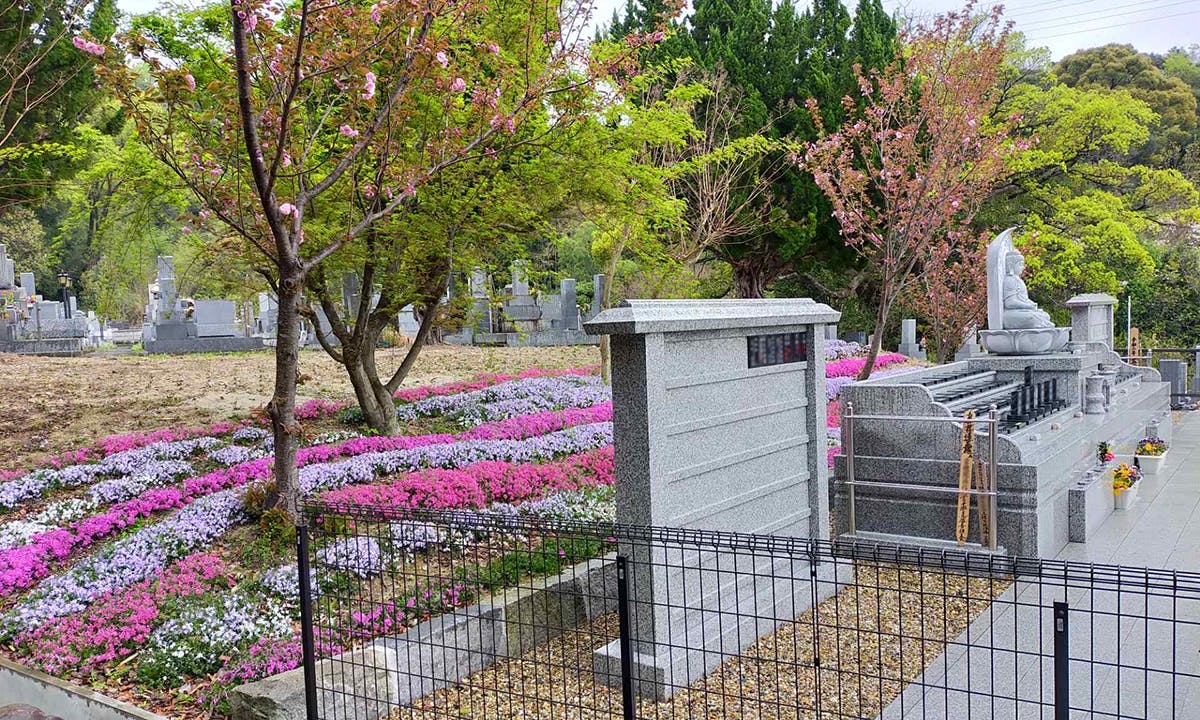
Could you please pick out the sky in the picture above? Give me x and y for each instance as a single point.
(1064, 26)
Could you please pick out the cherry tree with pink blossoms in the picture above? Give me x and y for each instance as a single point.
(920, 150)
(322, 121)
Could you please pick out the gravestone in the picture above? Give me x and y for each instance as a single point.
(407, 322)
(970, 346)
(268, 314)
(718, 424)
(215, 318)
(7, 269)
(909, 346)
(569, 304)
(1175, 373)
(28, 284)
(166, 288)
(831, 332)
(351, 294)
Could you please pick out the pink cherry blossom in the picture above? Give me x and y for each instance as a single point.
(369, 86)
(191, 81)
(375, 13)
(458, 85)
(441, 58)
(287, 209)
(348, 131)
(88, 46)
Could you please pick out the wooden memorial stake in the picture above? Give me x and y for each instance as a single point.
(1135, 346)
(965, 464)
(982, 506)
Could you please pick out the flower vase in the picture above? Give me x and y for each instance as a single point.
(1151, 464)
(1125, 499)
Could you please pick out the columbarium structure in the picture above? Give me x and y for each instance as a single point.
(1055, 392)
(718, 424)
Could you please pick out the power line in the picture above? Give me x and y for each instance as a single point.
(1116, 25)
(1050, 6)
(1091, 17)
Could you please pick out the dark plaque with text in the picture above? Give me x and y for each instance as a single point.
(777, 349)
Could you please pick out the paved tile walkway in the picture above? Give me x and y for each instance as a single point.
(1134, 649)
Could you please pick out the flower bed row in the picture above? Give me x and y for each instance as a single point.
(146, 551)
(124, 620)
(137, 461)
(22, 566)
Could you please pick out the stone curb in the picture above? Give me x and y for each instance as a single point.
(22, 685)
(370, 682)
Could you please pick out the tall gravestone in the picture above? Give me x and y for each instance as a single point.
(166, 287)
(569, 304)
(719, 424)
(7, 269)
(909, 346)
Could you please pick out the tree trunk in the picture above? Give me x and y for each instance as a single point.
(881, 318)
(378, 408)
(749, 280)
(606, 302)
(282, 407)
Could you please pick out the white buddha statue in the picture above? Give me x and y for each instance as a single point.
(1020, 313)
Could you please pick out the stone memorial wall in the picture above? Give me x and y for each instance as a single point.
(719, 424)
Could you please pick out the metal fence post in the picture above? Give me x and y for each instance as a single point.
(848, 443)
(993, 498)
(307, 634)
(1062, 662)
(627, 698)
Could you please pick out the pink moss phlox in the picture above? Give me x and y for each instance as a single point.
(118, 623)
(852, 366)
(480, 483)
(833, 414)
(22, 566)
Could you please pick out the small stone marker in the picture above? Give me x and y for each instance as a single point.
(718, 424)
(908, 340)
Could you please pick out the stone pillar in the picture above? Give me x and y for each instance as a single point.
(166, 288)
(569, 304)
(1092, 320)
(1174, 372)
(7, 278)
(718, 424)
(351, 294)
(520, 279)
(908, 340)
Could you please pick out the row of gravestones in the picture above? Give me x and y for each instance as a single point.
(521, 318)
(31, 323)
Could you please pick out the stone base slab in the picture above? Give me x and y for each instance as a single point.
(204, 345)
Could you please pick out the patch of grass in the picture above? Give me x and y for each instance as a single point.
(549, 558)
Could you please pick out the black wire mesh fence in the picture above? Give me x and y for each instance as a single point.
(487, 615)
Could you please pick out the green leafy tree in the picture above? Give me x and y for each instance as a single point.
(46, 86)
(1091, 204)
(1121, 67)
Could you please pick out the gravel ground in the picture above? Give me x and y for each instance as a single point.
(57, 404)
(872, 637)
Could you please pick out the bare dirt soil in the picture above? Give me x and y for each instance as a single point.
(51, 405)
